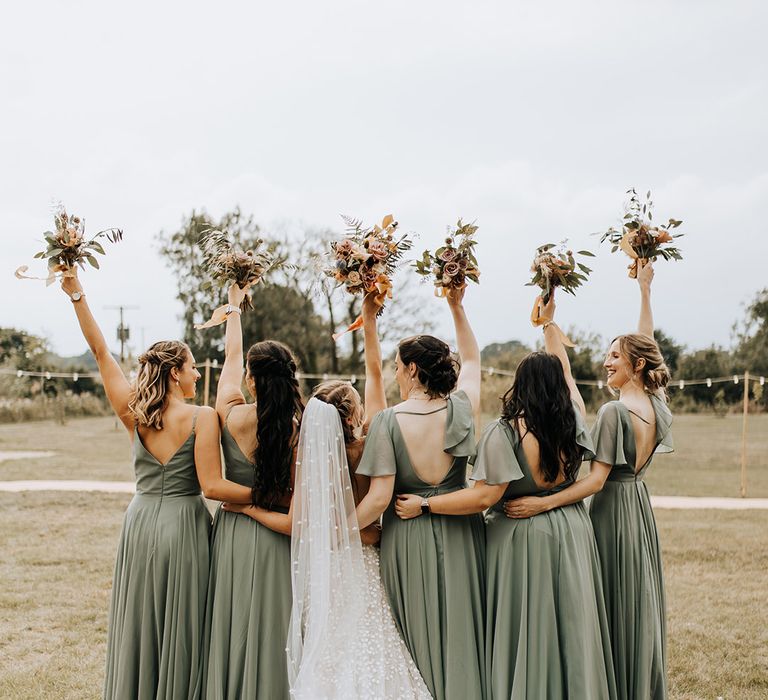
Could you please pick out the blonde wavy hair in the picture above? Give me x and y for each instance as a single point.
(150, 390)
(655, 374)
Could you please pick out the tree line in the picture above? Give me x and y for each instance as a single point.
(300, 306)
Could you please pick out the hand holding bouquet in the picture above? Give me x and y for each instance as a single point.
(639, 238)
(227, 265)
(553, 267)
(366, 259)
(67, 246)
(454, 263)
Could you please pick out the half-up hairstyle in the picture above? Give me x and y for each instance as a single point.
(150, 391)
(540, 396)
(278, 412)
(340, 395)
(655, 374)
(438, 370)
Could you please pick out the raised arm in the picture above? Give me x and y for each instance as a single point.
(375, 393)
(116, 386)
(229, 391)
(208, 462)
(469, 350)
(644, 279)
(553, 344)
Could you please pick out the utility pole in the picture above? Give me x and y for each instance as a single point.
(123, 331)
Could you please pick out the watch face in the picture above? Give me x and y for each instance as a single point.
(76, 296)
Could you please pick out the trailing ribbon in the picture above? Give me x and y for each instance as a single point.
(217, 318)
(538, 319)
(383, 289)
(62, 269)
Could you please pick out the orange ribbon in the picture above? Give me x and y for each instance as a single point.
(383, 289)
(538, 319)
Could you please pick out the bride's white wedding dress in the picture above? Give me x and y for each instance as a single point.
(343, 643)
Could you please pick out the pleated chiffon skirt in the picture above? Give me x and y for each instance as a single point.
(158, 599)
(633, 583)
(249, 606)
(546, 626)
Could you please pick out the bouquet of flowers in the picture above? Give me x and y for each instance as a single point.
(555, 266)
(225, 264)
(68, 247)
(639, 238)
(366, 259)
(454, 263)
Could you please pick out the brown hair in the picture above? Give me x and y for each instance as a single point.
(654, 373)
(279, 408)
(150, 390)
(438, 370)
(339, 394)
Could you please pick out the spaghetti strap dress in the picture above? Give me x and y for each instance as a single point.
(249, 600)
(161, 578)
(546, 625)
(630, 555)
(433, 566)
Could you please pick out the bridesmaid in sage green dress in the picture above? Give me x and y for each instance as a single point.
(546, 626)
(431, 567)
(627, 434)
(249, 592)
(161, 571)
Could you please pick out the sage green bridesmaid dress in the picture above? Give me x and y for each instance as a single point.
(630, 556)
(161, 577)
(249, 600)
(433, 566)
(546, 626)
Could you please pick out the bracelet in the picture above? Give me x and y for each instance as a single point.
(546, 325)
(231, 309)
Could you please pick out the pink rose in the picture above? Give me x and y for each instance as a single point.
(344, 248)
(451, 269)
(448, 255)
(378, 249)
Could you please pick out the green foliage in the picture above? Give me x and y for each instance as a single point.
(22, 350)
(670, 350)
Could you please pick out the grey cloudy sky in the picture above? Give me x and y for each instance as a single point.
(531, 117)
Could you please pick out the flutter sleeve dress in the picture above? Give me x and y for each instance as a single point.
(630, 555)
(433, 566)
(546, 625)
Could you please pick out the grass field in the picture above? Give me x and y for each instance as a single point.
(706, 461)
(58, 553)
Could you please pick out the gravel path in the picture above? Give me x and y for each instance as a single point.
(676, 502)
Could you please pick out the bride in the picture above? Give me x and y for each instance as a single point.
(342, 639)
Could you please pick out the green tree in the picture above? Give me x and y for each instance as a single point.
(282, 310)
(670, 350)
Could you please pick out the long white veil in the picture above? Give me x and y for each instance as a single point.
(328, 570)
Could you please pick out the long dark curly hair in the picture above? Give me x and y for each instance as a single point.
(279, 408)
(540, 396)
